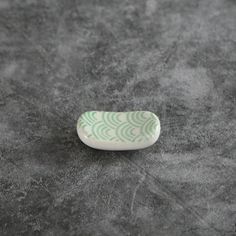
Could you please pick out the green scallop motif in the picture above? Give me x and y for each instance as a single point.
(119, 126)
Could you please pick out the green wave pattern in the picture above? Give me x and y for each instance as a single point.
(118, 126)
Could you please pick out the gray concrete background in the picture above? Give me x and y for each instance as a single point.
(58, 59)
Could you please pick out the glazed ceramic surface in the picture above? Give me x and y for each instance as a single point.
(118, 130)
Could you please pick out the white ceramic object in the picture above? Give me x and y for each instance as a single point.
(118, 130)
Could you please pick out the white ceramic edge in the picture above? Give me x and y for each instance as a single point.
(117, 146)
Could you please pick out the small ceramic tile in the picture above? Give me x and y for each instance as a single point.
(118, 130)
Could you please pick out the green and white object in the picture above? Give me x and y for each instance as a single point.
(118, 130)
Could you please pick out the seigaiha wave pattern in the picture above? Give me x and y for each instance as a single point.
(119, 127)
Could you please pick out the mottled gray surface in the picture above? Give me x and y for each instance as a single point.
(58, 59)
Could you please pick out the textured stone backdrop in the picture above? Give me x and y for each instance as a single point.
(58, 59)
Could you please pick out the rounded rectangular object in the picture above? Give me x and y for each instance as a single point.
(118, 130)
